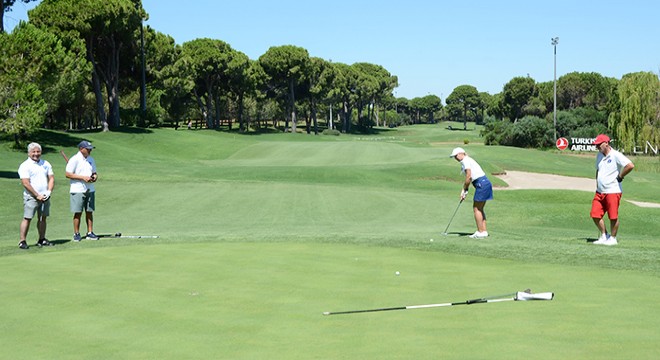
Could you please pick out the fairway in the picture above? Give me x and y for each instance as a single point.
(259, 235)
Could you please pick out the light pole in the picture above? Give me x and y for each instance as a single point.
(555, 41)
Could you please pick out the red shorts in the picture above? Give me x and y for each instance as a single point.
(605, 203)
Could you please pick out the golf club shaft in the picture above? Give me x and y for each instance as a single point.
(119, 235)
(452, 217)
(139, 236)
(467, 302)
(64, 156)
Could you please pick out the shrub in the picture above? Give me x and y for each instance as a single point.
(532, 131)
(331, 132)
(497, 132)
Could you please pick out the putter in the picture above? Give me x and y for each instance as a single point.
(526, 295)
(119, 235)
(109, 235)
(452, 217)
(139, 236)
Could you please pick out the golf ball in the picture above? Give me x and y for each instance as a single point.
(431, 240)
(397, 273)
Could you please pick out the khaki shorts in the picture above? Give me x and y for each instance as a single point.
(82, 202)
(33, 206)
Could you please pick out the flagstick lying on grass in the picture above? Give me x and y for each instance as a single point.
(517, 296)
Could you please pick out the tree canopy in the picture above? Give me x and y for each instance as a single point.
(85, 71)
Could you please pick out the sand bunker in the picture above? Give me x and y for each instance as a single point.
(520, 180)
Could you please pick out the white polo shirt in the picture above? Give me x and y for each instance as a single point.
(79, 165)
(37, 172)
(469, 163)
(609, 167)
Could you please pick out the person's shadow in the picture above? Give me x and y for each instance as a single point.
(9, 174)
(457, 233)
(59, 241)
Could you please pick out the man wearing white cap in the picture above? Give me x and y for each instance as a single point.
(483, 189)
(611, 168)
(81, 171)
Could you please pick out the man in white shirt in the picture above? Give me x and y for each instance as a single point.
(38, 181)
(81, 171)
(611, 168)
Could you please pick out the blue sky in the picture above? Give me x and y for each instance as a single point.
(431, 46)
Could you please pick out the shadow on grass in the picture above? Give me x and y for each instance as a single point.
(457, 233)
(52, 141)
(9, 174)
(262, 131)
(59, 241)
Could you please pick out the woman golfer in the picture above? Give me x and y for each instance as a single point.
(483, 189)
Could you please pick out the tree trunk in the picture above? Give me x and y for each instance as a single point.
(96, 85)
(111, 80)
(292, 97)
(113, 104)
(314, 119)
(241, 123)
(209, 110)
(287, 117)
(2, 17)
(200, 105)
(347, 117)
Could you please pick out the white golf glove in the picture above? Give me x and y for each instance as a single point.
(464, 194)
(46, 195)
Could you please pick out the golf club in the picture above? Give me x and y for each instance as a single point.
(139, 236)
(119, 235)
(517, 296)
(452, 217)
(64, 156)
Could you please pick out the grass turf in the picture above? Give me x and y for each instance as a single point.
(261, 234)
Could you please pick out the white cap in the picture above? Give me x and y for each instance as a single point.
(457, 151)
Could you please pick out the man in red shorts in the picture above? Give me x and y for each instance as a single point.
(611, 168)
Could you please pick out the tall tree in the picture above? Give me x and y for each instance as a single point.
(374, 84)
(39, 76)
(210, 60)
(466, 99)
(242, 79)
(108, 28)
(346, 85)
(516, 94)
(582, 89)
(286, 66)
(637, 121)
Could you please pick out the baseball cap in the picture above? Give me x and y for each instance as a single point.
(456, 151)
(85, 144)
(601, 139)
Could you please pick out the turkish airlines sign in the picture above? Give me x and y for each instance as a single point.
(562, 143)
(587, 144)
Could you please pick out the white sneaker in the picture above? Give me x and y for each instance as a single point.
(611, 241)
(602, 239)
(479, 235)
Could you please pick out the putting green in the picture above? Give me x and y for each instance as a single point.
(265, 300)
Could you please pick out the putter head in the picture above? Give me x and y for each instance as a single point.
(445, 234)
